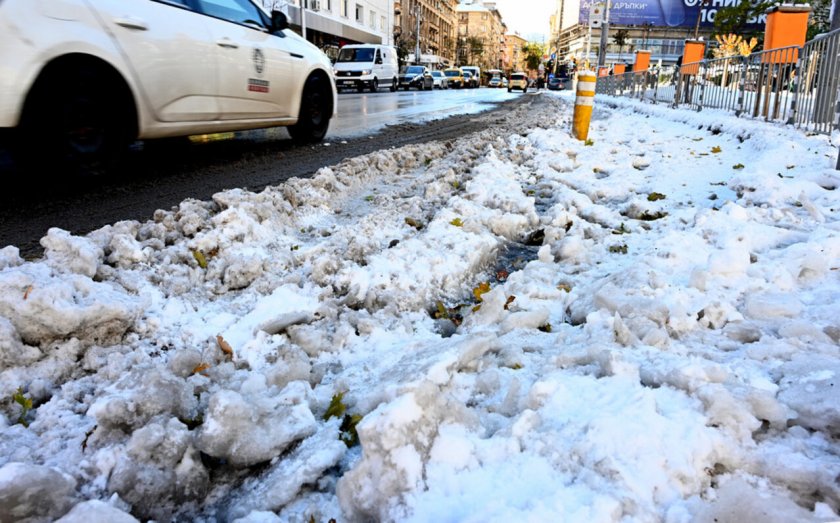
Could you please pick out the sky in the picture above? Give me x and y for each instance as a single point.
(532, 22)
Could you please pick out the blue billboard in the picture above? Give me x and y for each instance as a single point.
(666, 13)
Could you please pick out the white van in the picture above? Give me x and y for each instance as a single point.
(371, 66)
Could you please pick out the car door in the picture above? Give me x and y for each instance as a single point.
(257, 69)
(170, 52)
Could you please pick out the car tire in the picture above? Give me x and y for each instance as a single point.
(509, 89)
(76, 117)
(525, 90)
(315, 111)
(374, 86)
(394, 85)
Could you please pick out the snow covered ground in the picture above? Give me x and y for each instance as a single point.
(515, 325)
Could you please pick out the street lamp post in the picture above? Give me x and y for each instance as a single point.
(303, 18)
(605, 34)
(417, 40)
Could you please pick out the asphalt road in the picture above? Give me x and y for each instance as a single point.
(159, 175)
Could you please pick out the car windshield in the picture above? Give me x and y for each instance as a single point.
(362, 54)
(414, 69)
(517, 77)
(437, 74)
(452, 73)
(467, 74)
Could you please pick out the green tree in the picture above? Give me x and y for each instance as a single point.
(533, 53)
(475, 48)
(620, 38)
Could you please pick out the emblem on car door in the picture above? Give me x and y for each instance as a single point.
(258, 85)
(259, 61)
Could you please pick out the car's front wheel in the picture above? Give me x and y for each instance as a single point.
(394, 85)
(374, 86)
(77, 117)
(315, 111)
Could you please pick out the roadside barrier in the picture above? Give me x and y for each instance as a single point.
(584, 102)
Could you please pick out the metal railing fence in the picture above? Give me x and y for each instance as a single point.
(793, 85)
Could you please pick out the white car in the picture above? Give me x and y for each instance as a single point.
(440, 80)
(81, 79)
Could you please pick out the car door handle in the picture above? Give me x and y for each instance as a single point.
(227, 43)
(131, 23)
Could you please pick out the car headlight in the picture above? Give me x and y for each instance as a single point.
(366, 72)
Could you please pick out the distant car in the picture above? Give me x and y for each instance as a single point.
(504, 82)
(475, 71)
(417, 76)
(455, 76)
(518, 81)
(83, 79)
(495, 82)
(440, 80)
(555, 83)
(470, 81)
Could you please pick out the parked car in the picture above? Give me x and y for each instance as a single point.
(366, 66)
(495, 82)
(417, 76)
(504, 82)
(455, 77)
(440, 80)
(475, 71)
(470, 81)
(518, 81)
(555, 83)
(82, 79)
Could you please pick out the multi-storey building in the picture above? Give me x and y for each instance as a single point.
(481, 35)
(514, 56)
(662, 31)
(330, 24)
(436, 35)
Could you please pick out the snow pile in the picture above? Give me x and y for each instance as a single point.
(510, 326)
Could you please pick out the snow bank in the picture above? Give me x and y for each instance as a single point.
(509, 326)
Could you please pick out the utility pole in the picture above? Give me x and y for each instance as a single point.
(303, 18)
(605, 34)
(417, 40)
(835, 15)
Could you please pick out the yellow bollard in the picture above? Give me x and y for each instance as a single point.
(583, 104)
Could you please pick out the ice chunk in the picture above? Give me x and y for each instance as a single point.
(771, 305)
(12, 350)
(283, 481)
(34, 491)
(810, 387)
(142, 394)
(10, 257)
(94, 511)
(249, 430)
(44, 306)
(738, 501)
(159, 468)
(67, 253)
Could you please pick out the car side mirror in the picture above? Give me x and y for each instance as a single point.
(279, 21)
(379, 61)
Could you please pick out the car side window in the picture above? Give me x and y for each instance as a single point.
(236, 11)
(177, 3)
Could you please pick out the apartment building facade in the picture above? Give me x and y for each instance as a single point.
(331, 24)
(437, 31)
(514, 59)
(481, 35)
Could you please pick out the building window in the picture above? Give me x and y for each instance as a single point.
(360, 14)
(329, 5)
(372, 20)
(383, 23)
(344, 7)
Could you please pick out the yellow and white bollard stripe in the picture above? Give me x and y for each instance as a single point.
(584, 101)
